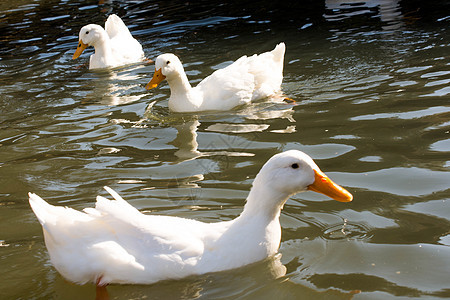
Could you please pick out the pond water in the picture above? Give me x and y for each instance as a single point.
(371, 87)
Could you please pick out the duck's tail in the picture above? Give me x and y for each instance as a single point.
(278, 52)
(117, 209)
(41, 209)
(114, 26)
(48, 214)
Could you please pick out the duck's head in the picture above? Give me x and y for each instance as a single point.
(166, 66)
(89, 35)
(293, 172)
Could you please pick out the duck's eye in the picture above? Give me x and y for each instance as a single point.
(294, 166)
(168, 62)
(87, 32)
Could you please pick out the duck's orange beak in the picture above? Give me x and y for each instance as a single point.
(80, 49)
(322, 184)
(157, 78)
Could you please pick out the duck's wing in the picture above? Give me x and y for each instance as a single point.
(227, 87)
(165, 246)
(115, 27)
(153, 233)
(124, 46)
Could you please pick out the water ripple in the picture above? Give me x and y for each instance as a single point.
(370, 85)
(347, 230)
(432, 111)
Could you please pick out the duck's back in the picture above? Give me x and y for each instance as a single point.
(247, 79)
(227, 88)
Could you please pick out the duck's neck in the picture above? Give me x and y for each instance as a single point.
(182, 96)
(260, 220)
(103, 51)
(264, 202)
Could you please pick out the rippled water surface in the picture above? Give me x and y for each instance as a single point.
(371, 84)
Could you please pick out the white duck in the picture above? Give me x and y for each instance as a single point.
(115, 243)
(247, 79)
(114, 45)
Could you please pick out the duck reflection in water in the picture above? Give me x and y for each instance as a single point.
(262, 280)
(111, 87)
(249, 121)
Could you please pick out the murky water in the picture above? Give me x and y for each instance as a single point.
(371, 85)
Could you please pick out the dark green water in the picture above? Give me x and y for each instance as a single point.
(371, 82)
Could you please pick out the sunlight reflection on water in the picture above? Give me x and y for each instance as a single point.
(370, 85)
